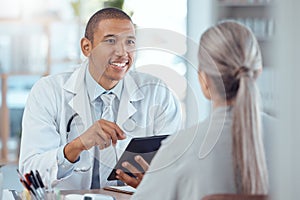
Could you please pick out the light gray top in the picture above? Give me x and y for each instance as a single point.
(194, 163)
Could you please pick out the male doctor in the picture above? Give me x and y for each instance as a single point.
(65, 136)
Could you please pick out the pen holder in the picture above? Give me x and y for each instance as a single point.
(25, 195)
(49, 195)
(53, 195)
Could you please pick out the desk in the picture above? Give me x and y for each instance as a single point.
(117, 195)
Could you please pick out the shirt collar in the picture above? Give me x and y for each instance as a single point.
(95, 90)
(117, 90)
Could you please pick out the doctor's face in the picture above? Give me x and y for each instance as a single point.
(112, 51)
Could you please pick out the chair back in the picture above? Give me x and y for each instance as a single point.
(235, 197)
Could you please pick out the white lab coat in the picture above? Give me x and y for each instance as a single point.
(147, 107)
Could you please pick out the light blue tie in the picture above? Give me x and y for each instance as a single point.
(108, 115)
(107, 155)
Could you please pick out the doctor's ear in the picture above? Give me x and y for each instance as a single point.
(86, 46)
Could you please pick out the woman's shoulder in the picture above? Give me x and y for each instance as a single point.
(269, 122)
(268, 117)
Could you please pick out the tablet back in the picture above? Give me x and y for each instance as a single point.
(143, 146)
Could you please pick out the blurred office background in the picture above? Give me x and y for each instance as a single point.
(39, 38)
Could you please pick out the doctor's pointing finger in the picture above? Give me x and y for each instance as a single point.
(102, 133)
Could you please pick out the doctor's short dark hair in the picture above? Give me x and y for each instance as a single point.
(105, 13)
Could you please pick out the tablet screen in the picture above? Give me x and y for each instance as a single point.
(144, 146)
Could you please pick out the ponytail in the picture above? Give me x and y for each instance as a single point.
(229, 53)
(251, 176)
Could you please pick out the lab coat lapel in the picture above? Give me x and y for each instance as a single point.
(131, 93)
(80, 102)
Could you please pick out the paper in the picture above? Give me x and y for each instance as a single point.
(123, 189)
(73, 197)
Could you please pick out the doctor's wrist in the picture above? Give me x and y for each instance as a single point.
(73, 149)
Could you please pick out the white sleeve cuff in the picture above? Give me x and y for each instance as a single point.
(65, 167)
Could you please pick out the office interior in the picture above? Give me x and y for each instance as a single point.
(39, 38)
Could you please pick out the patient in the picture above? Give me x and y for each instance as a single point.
(225, 153)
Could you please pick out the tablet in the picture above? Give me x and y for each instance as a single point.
(143, 146)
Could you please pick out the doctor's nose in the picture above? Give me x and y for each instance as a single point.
(121, 50)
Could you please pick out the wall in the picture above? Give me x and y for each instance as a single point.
(199, 18)
(286, 160)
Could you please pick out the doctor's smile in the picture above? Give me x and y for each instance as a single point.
(119, 66)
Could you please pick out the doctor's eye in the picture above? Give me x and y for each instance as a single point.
(110, 41)
(131, 42)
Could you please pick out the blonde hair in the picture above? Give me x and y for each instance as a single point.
(230, 55)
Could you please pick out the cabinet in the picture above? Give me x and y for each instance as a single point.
(257, 15)
(29, 49)
(24, 50)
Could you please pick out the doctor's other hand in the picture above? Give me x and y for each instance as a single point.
(102, 133)
(133, 181)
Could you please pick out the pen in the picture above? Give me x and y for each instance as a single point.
(115, 150)
(37, 184)
(25, 184)
(38, 176)
(33, 179)
(40, 182)
(21, 176)
(31, 182)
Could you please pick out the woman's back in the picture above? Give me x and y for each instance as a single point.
(195, 162)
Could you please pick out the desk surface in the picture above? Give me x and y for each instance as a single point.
(117, 195)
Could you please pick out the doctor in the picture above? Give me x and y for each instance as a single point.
(64, 134)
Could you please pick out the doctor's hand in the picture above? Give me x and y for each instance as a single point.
(102, 133)
(133, 181)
